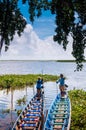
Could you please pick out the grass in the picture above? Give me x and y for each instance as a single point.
(20, 81)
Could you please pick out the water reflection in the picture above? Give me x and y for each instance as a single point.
(74, 79)
(8, 99)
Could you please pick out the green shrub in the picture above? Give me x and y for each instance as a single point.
(78, 103)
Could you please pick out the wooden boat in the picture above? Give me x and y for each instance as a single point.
(31, 117)
(59, 114)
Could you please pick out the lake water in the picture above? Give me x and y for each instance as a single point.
(74, 79)
(8, 98)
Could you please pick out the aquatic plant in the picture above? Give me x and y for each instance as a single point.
(78, 103)
(20, 81)
(21, 101)
(19, 111)
(6, 111)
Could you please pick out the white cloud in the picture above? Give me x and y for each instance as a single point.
(30, 46)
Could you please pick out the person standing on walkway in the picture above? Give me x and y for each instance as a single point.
(42, 85)
(38, 87)
(61, 82)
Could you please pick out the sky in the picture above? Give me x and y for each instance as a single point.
(36, 43)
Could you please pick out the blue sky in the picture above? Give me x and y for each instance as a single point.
(44, 25)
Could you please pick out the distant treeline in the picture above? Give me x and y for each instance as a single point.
(68, 61)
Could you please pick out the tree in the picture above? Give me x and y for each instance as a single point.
(66, 23)
(11, 21)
